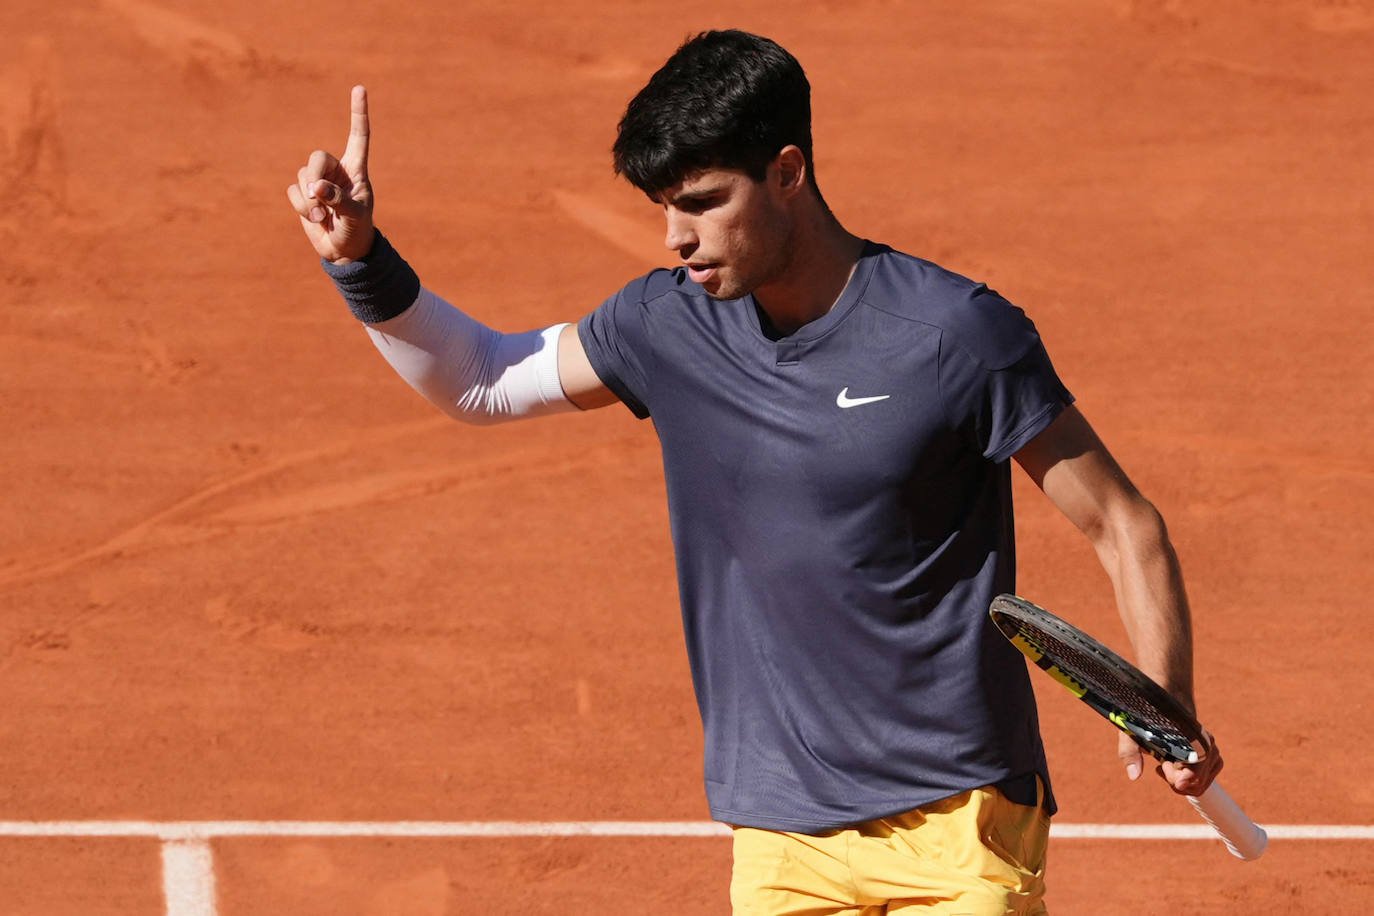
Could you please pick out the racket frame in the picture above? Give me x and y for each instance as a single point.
(1182, 743)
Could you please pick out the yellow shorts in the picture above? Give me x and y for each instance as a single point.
(976, 854)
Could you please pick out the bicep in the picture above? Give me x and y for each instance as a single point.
(1074, 469)
(581, 385)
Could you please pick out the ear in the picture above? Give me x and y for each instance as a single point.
(790, 170)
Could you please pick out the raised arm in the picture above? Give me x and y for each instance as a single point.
(468, 370)
(1074, 469)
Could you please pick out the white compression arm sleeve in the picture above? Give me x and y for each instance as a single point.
(466, 369)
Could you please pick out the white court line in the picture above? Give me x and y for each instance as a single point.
(188, 878)
(188, 866)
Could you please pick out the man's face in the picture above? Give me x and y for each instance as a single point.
(733, 233)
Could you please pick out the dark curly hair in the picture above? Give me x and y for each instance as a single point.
(725, 99)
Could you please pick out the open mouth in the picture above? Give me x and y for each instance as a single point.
(700, 273)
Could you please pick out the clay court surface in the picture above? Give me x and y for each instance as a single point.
(246, 574)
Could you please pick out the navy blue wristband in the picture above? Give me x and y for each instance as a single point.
(377, 286)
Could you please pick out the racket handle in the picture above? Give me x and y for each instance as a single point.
(1242, 836)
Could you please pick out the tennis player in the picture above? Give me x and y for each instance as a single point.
(837, 422)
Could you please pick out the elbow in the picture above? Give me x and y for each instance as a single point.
(488, 405)
(477, 408)
(1133, 527)
(470, 418)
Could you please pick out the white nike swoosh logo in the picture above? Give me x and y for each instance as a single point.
(844, 400)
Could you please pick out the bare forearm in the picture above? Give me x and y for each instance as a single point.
(1136, 552)
(1080, 476)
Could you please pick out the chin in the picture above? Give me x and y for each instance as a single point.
(727, 289)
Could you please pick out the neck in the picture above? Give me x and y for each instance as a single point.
(823, 257)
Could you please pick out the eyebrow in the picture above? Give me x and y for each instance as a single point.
(698, 194)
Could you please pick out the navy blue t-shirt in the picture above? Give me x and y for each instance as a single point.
(840, 502)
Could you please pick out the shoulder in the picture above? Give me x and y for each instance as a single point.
(658, 284)
(642, 308)
(661, 302)
(969, 314)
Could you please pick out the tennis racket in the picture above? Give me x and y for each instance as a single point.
(1130, 701)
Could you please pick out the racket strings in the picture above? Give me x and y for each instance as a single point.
(1104, 679)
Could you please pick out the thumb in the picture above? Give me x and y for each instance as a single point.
(1129, 752)
(326, 192)
(333, 196)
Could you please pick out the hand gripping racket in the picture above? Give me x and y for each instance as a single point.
(1129, 700)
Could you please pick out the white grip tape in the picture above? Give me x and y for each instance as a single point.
(1242, 836)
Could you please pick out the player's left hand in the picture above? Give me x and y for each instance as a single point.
(1185, 779)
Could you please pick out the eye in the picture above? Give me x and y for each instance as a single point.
(699, 204)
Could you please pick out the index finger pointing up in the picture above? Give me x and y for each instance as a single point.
(358, 130)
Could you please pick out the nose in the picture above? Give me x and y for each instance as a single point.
(680, 237)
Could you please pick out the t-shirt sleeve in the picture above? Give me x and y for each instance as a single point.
(616, 339)
(996, 379)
